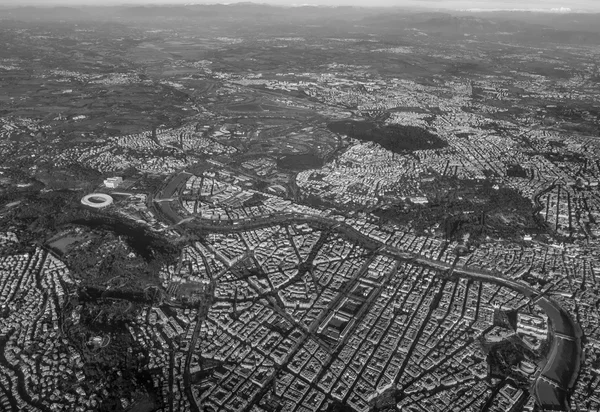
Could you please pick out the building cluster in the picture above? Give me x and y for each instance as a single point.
(41, 367)
(220, 196)
(117, 79)
(165, 339)
(7, 238)
(404, 321)
(68, 76)
(364, 175)
(8, 65)
(19, 126)
(160, 151)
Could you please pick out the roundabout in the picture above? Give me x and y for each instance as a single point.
(97, 200)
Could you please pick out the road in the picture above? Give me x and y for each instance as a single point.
(558, 375)
(200, 316)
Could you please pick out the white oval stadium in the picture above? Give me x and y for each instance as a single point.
(97, 200)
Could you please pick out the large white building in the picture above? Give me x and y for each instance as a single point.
(113, 182)
(536, 326)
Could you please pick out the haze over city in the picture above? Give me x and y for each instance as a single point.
(538, 5)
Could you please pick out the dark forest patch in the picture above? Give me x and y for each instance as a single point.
(462, 207)
(564, 157)
(300, 162)
(516, 170)
(396, 138)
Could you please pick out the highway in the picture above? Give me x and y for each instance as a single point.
(558, 375)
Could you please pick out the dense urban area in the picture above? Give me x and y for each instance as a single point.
(254, 208)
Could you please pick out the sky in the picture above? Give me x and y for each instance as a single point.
(542, 5)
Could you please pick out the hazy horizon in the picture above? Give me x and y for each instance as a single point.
(541, 5)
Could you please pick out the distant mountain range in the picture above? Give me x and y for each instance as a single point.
(561, 27)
